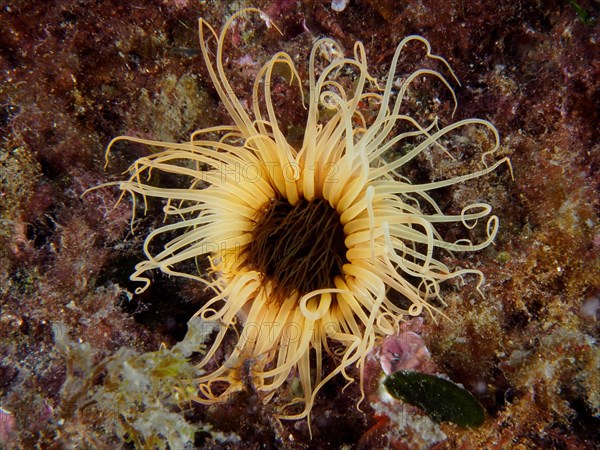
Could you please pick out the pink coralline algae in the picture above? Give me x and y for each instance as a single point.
(406, 350)
(8, 425)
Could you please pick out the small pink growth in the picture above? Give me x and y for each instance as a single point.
(8, 424)
(280, 8)
(246, 60)
(179, 4)
(406, 350)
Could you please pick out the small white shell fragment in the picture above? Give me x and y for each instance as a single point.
(339, 5)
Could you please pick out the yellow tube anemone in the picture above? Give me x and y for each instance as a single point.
(307, 244)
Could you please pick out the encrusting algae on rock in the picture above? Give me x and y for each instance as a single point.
(307, 242)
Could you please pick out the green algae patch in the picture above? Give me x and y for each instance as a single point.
(441, 399)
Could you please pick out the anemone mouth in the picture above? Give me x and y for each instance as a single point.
(297, 248)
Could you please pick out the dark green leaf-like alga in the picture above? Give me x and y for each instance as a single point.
(441, 399)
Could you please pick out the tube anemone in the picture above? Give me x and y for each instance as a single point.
(307, 243)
